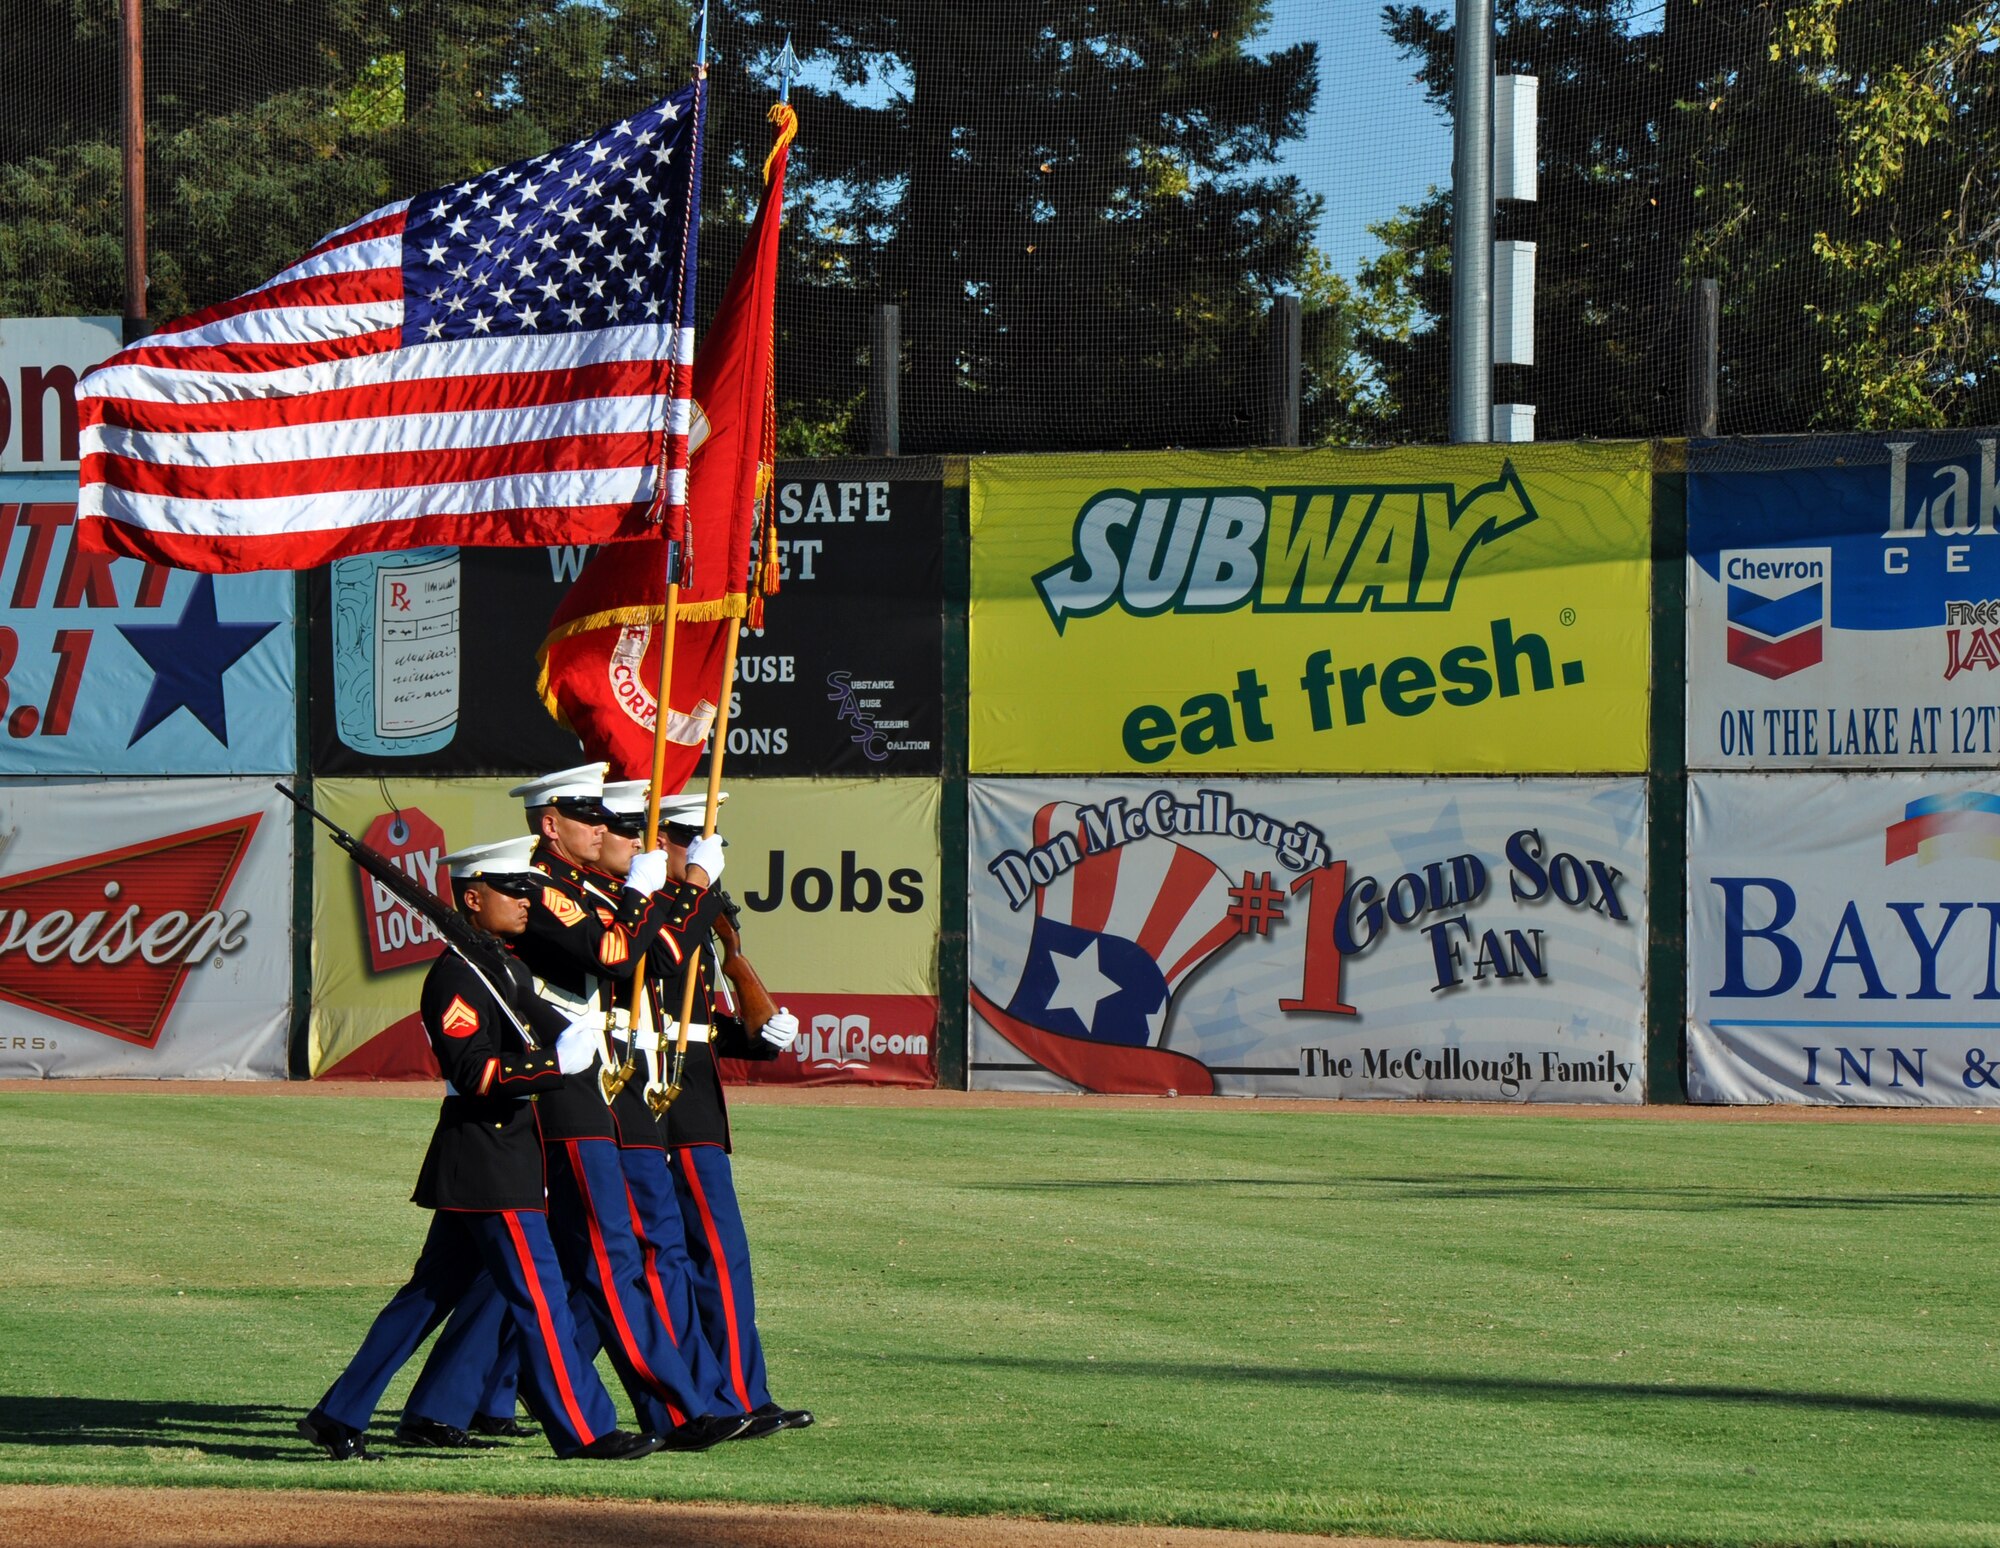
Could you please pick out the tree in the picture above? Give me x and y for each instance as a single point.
(1071, 200)
(1829, 162)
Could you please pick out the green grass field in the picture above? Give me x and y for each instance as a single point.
(1524, 1329)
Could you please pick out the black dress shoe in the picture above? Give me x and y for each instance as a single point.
(620, 1446)
(760, 1425)
(506, 1427)
(794, 1418)
(340, 1441)
(707, 1430)
(443, 1437)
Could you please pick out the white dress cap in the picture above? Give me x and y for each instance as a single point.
(508, 857)
(626, 797)
(687, 809)
(583, 783)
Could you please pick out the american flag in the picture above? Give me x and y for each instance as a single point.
(502, 362)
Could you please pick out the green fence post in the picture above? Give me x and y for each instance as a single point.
(1666, 785)
(953, 839)
(299, 1051)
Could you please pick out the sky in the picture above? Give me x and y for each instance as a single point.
(1373, 143)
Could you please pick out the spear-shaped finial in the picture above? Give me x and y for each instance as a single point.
(788, 66)
(701, 43)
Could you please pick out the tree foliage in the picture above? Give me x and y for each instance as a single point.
(1072, 201)
(1831, 163)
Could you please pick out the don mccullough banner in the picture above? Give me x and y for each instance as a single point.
(1478, 938)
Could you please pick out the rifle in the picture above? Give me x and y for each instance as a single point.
(457, 932)
(754, 1004)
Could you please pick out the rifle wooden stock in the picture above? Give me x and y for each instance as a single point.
(753, 1001)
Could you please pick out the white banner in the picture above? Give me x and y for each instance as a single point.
(1458, 938)
(145, 929)
(1844, 939)
(41, 361)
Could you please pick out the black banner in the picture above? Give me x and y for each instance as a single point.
(847, 676)
(423, 660)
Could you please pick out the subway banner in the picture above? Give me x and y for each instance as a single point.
(1419, 610)
(111, 666)
(1844, 939)
(838, 883)
(145, 929)
(1844, 603)
(1455, 938)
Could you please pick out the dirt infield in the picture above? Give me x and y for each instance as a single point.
(879, 1096)
(302, 1518)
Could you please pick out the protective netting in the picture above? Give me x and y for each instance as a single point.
(1084, 209)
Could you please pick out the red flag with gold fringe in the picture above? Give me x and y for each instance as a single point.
(600, 664)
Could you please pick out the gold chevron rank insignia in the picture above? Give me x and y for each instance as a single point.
(460, 1019)
(613, 950)
(563, 906)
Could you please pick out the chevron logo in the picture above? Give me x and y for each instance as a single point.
(1777, 608)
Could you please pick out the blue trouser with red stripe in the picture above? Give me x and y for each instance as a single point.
(670, 1278)
(615, 1298)
(512, 1252)
(719, 1258)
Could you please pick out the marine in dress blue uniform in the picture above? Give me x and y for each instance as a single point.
(577, 944)
(501, 1048)
(697, 1134)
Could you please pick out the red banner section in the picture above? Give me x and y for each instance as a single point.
(851, 1040)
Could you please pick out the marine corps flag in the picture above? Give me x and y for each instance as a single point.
(600, 664)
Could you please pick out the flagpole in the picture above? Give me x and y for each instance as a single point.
(615, 1081)
(659, 1100)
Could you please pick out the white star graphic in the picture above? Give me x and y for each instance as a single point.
(440, 211)
(652, 306)
(550, 288)
(594, 236)
(618, 207)
(529, 317)
(433, 329)
(525, 268)
(485, 199)
(571, 262)
(546, 240)
(642, 182)
(1080, 985)
(505, 220)
(435, 252)
(458, 226)
(668, 110)
(481, 322)
(597, 154)
(573, 312)
(616, 260)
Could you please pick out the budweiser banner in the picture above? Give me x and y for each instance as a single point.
(110, 666)
(837, 882)
(1844, 938)
(423, 661)
(1465, 938)
(145, 929)
(1844, 603)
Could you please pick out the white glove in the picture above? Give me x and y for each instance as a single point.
(706, 852)
(577, 1046)
(781, 1031)
(649, 871)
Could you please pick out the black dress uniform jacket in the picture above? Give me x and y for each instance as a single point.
(700, 1115)
(487, 1153)
(571, 939)
(574, 937)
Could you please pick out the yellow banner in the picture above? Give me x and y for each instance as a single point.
(838, 882)
(1462, 609)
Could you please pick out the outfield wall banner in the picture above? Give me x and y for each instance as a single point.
(41, 361)
(423, 661)
(1419, 610)
(1845, 615)
(847, 675)
(1453, 938)
(145, 929)
(111, 666)
(1844, 939)
(837, 880)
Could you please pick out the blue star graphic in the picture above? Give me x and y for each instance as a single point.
(188, 659)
